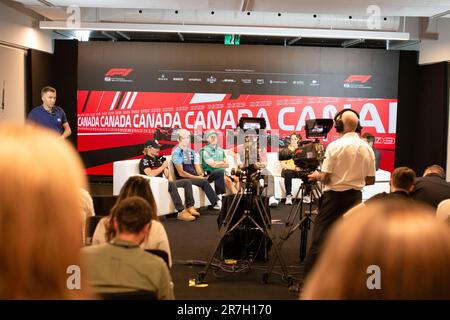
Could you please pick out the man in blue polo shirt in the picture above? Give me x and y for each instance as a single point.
(187, 166)
(50, 116)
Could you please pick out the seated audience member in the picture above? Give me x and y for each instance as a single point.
(121, 265)
(258, 156)
(214, 162)
(392, 249)
(151, 165)
(40, 219)
(432, 187)
(370, 139)
(289, 169)
(157, 239)
(187, 166)
(401, 184)
(87, 210)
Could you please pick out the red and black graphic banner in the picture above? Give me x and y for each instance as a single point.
(121, 104)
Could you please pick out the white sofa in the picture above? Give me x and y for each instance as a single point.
(122, 170)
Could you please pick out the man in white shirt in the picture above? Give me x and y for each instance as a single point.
(349, 165)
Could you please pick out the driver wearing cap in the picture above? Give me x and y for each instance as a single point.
(152, 165)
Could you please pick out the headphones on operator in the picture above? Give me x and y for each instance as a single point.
(339, 124)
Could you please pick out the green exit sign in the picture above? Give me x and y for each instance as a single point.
(232, 39)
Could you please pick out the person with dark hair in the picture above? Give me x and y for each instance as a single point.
(349, 165)
(432, 188)
(289, 170)
(121, 265)
(157, 239)
(402, 183)
(370, 139)
(50, 116)
(151, 165)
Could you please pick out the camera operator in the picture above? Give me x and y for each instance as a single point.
(289, 169)
(349, 165)
(154, 166)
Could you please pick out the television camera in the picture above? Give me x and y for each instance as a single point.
(251, 130)
(310, 153)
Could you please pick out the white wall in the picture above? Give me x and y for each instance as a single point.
(20, 29)
(432, 51)
(12, 71)
(18, 32)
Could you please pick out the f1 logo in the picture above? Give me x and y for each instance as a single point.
(358, 78)
(118, 72)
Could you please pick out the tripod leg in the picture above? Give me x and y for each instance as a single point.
(294, 210)
(268, 232)
(288, 230)
(304, 239)
(224, 230)
(304, 231)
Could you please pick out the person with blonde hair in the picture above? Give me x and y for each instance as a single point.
(187, 166)
(157, 239)
(40, 216)
(392, 249)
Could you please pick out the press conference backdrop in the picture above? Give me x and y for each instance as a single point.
(130, 92)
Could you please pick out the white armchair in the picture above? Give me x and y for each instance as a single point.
(382, 179)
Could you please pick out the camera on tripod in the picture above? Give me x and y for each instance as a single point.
(251, 130)
(310, 154)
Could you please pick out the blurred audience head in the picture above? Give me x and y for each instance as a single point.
(134, 186)
(40, 219)
(436, 169)
(394, 245)
(403, 179)
(132, 216)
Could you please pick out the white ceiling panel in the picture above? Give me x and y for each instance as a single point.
(350, 7)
